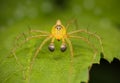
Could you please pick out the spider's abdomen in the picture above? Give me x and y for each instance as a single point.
(58, 30)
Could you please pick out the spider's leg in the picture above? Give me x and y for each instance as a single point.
(39, 48)
(18, 38)
(88, 42)
(24, 35)
(26, 40)
(38, 31)
(18, 62)
(71, 48)
(91, 34)
(71, 22)
(30, 32)
(37, 51)
(71, 61)
(15, 48)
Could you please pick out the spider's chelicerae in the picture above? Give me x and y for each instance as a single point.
(58, 32)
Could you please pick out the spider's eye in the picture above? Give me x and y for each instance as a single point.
(63, 47)
(51, 47)
(58, 27)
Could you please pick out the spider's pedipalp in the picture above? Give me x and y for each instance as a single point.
(51, 47)
(63, 47)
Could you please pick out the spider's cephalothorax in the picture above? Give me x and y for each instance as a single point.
(58, 32)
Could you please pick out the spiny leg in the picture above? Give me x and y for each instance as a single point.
(91, 45)
(71, 61)
(72, 55)
(18, 62)
(90, 33)
(23, 35)
(18, 38)
(39, 48)
(71, 48)
(71, 22)
(26, 40)
(39, 31)
(88, 42)
(15, 48)
(37, 51)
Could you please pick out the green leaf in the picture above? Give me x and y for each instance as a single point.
(55, 67)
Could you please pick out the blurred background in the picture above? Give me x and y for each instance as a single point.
(12, 11)
(96, 15)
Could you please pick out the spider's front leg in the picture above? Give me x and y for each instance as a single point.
(26, 39)
(88, 42)
(37, 51)
(71, 59)
(91, 34)
(17, 45)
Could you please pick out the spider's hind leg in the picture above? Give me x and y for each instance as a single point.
(73, 21)
(90, 34)
(97, 37)
(89, 43)
(35, 55)
(71, 70)
(18, 43)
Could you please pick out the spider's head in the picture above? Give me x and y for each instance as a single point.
(58, 30)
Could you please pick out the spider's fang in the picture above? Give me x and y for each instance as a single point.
(63, 47)
(51, 47)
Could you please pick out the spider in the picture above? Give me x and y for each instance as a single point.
(58, 32)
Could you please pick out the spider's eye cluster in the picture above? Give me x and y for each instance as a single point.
(58, 27)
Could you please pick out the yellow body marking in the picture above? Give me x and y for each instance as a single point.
(58, 30)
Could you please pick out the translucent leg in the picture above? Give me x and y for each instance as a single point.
(71, 22)
(39, 31)
(91, 45)
(15, 48)
(18, 62)
(26, 40)
(71, 61)
(88, 42)
(36, 53)
(23, 35)
(90, 33)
